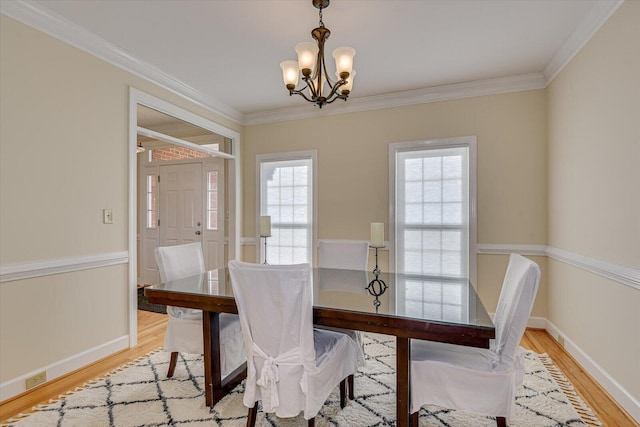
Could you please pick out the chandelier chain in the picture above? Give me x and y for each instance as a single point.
(320, 14)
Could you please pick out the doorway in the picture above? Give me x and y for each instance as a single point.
(200, 198)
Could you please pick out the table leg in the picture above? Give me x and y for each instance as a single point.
(403, 353)
(212, 368)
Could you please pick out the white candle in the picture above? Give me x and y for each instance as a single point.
(377, 234)
(265, 226)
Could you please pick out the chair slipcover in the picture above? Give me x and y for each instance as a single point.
(184, 329)
(480, 381)
(290, 366)
(343, 255)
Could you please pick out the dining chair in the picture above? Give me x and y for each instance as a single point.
(291, 367)
(476, 380)
(184, 329)
(345, 255)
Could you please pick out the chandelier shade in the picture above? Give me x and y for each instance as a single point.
(319, 88)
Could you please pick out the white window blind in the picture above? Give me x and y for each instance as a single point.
(432, 212)
(286, 189)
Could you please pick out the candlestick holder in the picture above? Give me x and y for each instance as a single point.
(376, 287)
(265, 250)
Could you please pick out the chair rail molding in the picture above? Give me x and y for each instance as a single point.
(507, 249)
(26, 270)
(626, 275)
(619, 273)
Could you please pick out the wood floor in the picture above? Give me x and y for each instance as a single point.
(151, 328)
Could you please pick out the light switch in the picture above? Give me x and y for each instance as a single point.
(107, 216)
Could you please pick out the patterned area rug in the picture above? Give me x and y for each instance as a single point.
(140, 395)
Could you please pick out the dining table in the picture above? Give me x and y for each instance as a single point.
(409, 306)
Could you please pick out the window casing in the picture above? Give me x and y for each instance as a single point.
(286, 184)
(433, 207)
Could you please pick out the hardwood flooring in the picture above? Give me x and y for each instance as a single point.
(151, 327)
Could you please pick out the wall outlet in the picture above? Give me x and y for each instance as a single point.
(35, 380)
(107, 216)
(561, 341)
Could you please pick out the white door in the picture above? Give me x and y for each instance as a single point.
(180, 198)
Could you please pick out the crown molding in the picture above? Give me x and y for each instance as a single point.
(42, 19)
(595, 19)
(398, 99)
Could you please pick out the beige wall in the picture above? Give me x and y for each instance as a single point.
(594, 195)
(64, 158)
(568, 154)
(353, 169)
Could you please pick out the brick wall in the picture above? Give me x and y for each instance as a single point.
(176, 153)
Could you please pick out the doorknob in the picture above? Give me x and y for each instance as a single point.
(198, 233)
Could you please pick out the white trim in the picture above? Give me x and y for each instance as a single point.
(618, 273)
(15, 386)
(533, 322)
(606, 381)
(38, 16)
(249, 241)
(137, 97)
(398, 99)
(626, 275)
(41, 18)
(595, 19)
(26, 270)
(181, 142)
(501, 249)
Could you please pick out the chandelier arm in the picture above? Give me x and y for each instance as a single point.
(334, 89)
(301, 93)
(337, 97)
(311, 86)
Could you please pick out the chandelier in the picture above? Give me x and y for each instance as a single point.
(311, 63)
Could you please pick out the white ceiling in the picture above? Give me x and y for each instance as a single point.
(226, 53)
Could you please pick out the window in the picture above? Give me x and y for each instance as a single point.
(212, 200)
(152, 201)
(434, 193)
(286, 194)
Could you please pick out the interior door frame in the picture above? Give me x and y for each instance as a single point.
(137, 97)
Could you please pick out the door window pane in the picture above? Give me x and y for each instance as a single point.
(212, 200)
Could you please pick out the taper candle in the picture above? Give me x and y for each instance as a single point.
(377, 234)
(265, 226)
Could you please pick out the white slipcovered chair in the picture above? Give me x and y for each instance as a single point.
(291, 367)
(343, 255)
(475, 380)
(184, 330)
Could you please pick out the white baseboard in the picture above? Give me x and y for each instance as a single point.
(537, 323)
(619, 393)
(55, 370)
